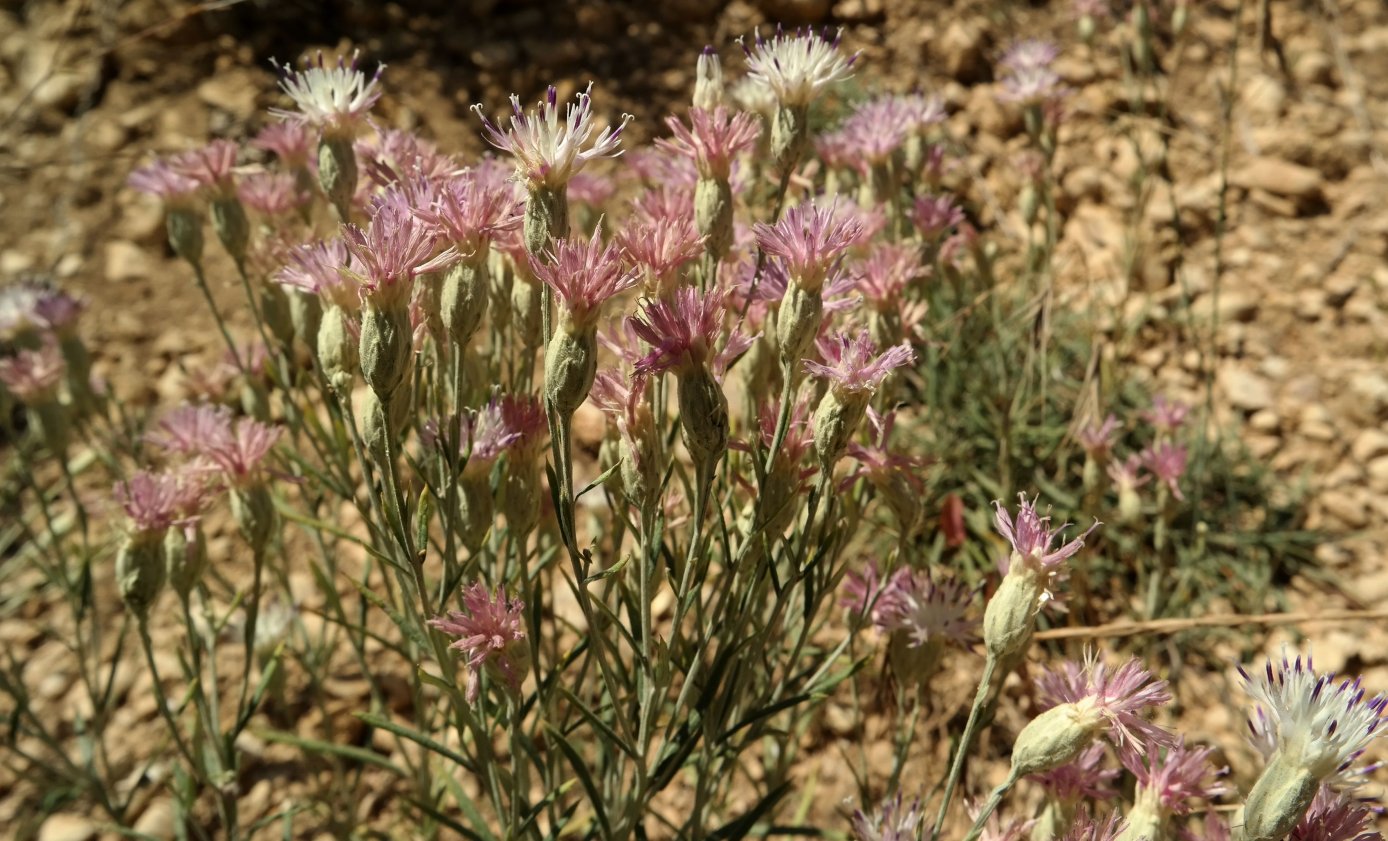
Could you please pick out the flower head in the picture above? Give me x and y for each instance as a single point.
(211, 166)
(1166, 416)
(1083, 778)
(592, 189)
(660, 246)
(884, 275)
(289, 141)
(548, 150)
(1087, 828)
(317, 268)
(796, 66)
(188, 429)
(681, 331)
(482, 435)
(1320, 725)
(395, 155)
(935, 215)
(34, 305)
(472, 209)
(1177, 775)
(884, 467)
(713, 139)
(332, 97)
(924, 609)
(33, 375)
(1335, 816)
(1125, 474)
(150, 500)
(395, 248)
(852, 364)
(240, 450)
(523, 423)
(161, 179)
(891, 821)
(272, 193)
(1167, 461)
(1031, 535)
(584, 275)
(490, 633)
(1028, 53)
(1098, 439)
(1112, 698)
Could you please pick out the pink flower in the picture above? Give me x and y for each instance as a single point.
(1167, 461)
(1097, 440)
(876, 129)
(240, 450)
(395, 155)
(211, 166)
(1178, 775)
(482, 435)
(584, 276)
(796, 66)
(1028, 53)
(879, 464)
(1115, 695)
(892, 821)
(162, 180)
(150, 500)
(1031, 86)
(490, 634)
(1124, 474)
(334, 98)
(1087, 828)
(317, 268)
(934, 215)
(471, 210)
(188, 429)
(798, 440)
(923, 609)
(591, 189)
(1166, 416)
(922, 111)
(665, 202)
(34, 375)
(809, 239)
(523, 423)
(1031, 535)
(290, 142)
(681, 331)
(55, 310)
(394, 249)
(272, 193)
(713, 139)
(884, 275)
(1338, 817)
(660, 246)
(549, 151)
(853, 365)
(1083, 778)
(33, 305)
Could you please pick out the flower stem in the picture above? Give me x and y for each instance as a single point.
(965, 741)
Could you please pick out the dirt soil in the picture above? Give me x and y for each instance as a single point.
(1268, 213)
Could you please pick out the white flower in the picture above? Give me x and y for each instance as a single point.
(795, 66)
(549, 151)
(1322, 726)
(329, 96)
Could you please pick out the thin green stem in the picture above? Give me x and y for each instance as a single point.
(965, 743)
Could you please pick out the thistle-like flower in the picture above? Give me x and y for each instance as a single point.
(391, 253)
(584, 275)
(925, 610)
(796, 66)
(712, 140)
(317, 268)
(1335, 816)
(490, 634)
(682, 331)
(524, 424)
(33, 375)
(1166, 416)
(289, 141)
(1098, 439)
(1089, 828)
(189, 429)
(471, 210)
(161, 179)
(150, 500)
(893, 820)
(1109, 700)
(548, 150)
(1167, 461)
(212, 167)
(1029, 53)
(852, 364)
(272, 194)
(660, 246)
(1031, 536)
(1167, 781)
(884, 275)
(334, 98)
(1083, 778)
(894, 474)
(239, 450)
(936, 215)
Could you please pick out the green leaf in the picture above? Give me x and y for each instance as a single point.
(351, 752)
(606, 474)
(580, 768)
(408, 628)
(602, 726)
(445, 820)
(418, 738)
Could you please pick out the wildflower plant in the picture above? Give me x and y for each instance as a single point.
(622, 628)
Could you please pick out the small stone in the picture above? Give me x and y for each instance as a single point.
(1309, 304)
(1263, 96)
(1339, 289)
(1348, 509)
(126, 261)
(494, 55)
(1377, 471)
(1369, 445)
(233, 91)
(857, 10)
(840, 720)
(1246, 390)
(1265, 420)
(1369, 395)
(961, 49)
(1314, 67)
(14, 262)
(1279, 177)
(67, 828)
(159, 820)
(1233, 305)
(68, 265)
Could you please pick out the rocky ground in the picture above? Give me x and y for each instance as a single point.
(1229, 220)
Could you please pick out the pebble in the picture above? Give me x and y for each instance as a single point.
(961, 49)
(67, 828)
(1378, 475)
(1369, 393)
(1265, 420)
(1233, 305)
(1348, 509)
(159, 820)
(1246, 390)
(126, 261)
(1279, 177)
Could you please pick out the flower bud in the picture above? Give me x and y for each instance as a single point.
(499, 281)
(1055, 737)
(914, 665)
(185, 553)
(475, 510)
(383, 421)
(790, 137)
(713, 214)
(703, 418)
(797, 322)
(571, 362)
(521, 499)
(337, 171)
(387, 346)
(1129, 504)
(140, 571)
(337, 349)
(835, 420)
(546, 218)
(526, 297)
(306, 314)
(1278, 800)
(52, 426)
(277, 312)
(79, 373)
(255, 400)
(1086, 27)
(184, 227)
(463, 301)
(254, 513)
(1029, 202)
(1145, 821)
(1011, 613)
(230, 223)
(708, 80)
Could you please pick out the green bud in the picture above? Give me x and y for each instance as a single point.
(337, 350)
(797, 322)
(521, 500)
(52, 426)
(499, 280)
(1010, 616)
(278, 313)
(254, 513)
(184, 227)
(387, 346)
(1055, 737)
(230, 223)
(463, 301)
(571, 362)
(337, 171)
(475, 509)
(79, 373)
(790, 137)
(383, 421)
(306, 315)
(1029, 202)
(186, 559)
(1278, 800)
(526, 297)
(140, 571)
(1129, 504)
(1146, 820)
(703, 418)
(713, 214)
(915, 664)
(836, 419)
(546, 218)
(1055, 820)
